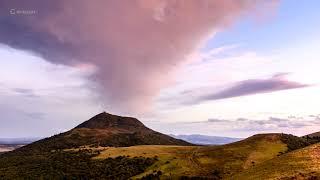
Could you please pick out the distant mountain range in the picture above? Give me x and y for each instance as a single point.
(206, 140)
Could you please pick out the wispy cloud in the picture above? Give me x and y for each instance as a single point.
(278, 82)
(255, 86)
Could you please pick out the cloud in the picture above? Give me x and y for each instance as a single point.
(277, 82)
(270, 124)
(211, 92)
(24, 92)
(136, 45)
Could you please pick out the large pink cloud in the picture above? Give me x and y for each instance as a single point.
(136, 45)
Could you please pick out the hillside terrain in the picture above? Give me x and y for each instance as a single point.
(299, 164)
(313, 137)
(114, 147)
(105, 130)
(49, 158)
(210, 161)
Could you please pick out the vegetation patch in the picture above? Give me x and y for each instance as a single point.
(71, 165)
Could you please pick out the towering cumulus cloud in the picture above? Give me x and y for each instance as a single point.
(135, 44)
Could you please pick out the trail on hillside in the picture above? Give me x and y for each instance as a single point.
(193, 158)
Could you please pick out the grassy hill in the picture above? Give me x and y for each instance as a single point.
(115, 147)
(209, 161)
(167, 161)
(104, 130)
(49, 158)
(299, 164)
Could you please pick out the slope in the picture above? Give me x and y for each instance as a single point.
(104, 130)
(313, 137)
(210, 161)
(299, 164)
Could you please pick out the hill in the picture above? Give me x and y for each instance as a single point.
(313, 137)
(315, 134)
(206, 140)
(142, 161)
(114, 147)
(300, 164)
(50, 158)
(216, 162)
(105, 130)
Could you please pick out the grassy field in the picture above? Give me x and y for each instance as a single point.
(172, 160)
(203, 161)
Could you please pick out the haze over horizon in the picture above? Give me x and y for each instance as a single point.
(224, 68)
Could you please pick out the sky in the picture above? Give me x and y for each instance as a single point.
(224, 68)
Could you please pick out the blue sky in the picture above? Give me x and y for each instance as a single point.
(292, 23)
(259, 73)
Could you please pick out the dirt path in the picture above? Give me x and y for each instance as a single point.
(193, 158)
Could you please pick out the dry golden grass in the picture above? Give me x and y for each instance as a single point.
(172, 160)
(224, 161)
(299, 164)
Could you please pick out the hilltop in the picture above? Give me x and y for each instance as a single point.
(106, 130)
(313, 137)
